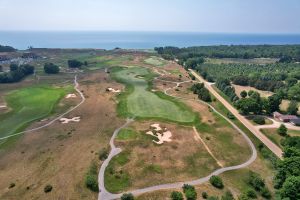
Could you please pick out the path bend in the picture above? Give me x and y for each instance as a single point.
(105, 195)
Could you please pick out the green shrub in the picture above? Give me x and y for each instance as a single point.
(251, 193)
(282, 130)
(176, 195)
(127, 196)
(190, 192)
(91, 179)
(91, 182)
(48, 188)
(255, 181)
(230, 115)
(259, 120)
(50, 68)
(11, 185)
(265, 192)
(217, 182)
(227, 196)
(103, 154)
(204, 195)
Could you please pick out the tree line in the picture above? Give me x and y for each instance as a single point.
(16, 73)
(6, 49)
(286, 53)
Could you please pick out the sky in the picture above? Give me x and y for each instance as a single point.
(210, 16)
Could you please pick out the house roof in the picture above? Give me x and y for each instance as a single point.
(290, 117)
(296, 121)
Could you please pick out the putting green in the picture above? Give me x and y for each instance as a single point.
(155, 61)
(139, 102)
(27, 105)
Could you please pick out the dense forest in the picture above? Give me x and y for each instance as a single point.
(287, 53)
(287, 179)
(6, 49)
(281, 77)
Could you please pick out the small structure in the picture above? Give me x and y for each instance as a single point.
(284, 118)
(295, 122)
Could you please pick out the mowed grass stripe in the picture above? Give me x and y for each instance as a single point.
(27, 105)
(142, 103)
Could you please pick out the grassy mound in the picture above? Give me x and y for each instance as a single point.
(155, 61)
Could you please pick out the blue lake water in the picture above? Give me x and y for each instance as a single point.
(136, 40)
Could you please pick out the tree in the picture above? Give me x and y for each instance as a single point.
(291, 81)
(286, 168)
(217, 182)
(293, 108)
(282, 130)
(294, 92)
(244, 94)
(13, 67)
(176, 195)
(50, 68)
(127, 196)
(190, 192)
(248, 105)
(289, 152)
(273, 104)
(74, 63)
(291, 188)
(259, 120)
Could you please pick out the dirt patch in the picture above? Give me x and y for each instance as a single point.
(239, 89)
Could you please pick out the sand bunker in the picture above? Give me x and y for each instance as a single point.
(71, 96)
(161, 136)
(113, 90)
(66, 120)
(3, 106)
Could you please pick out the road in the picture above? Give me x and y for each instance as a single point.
(266, 141)
(76, 87)
(105, 195)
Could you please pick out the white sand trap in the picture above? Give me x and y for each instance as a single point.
(113, 90)
(66, 120)
(156, 127)
(71, 96)
(162, 137)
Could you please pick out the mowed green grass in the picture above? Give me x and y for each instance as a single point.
(27, 105)
(140, 102)
(155, 61)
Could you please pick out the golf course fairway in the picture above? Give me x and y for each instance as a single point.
(139, 102)
(27, 105)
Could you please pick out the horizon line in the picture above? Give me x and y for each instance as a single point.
(159, 31)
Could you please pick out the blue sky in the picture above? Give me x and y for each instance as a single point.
(233, 16)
